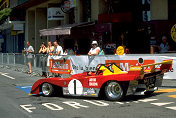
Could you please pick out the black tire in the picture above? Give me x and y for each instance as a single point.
(47, 89)
(149, 93)
(114, 91)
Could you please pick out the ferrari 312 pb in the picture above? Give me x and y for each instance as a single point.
(109, 81)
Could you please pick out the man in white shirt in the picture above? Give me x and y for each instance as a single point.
(57, 48)
(95, 49)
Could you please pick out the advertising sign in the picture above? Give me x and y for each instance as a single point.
(78, 64)
(19, 26)
(120, 50)
(60, 66)
(173, 32)
(55, 13)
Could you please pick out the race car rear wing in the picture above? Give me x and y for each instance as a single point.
(163, 67)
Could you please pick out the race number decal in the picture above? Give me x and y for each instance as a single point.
(75, 87)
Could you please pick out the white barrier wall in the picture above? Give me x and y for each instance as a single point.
(78, 64)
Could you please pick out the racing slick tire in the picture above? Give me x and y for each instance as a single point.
(114, 91)
(47, 89)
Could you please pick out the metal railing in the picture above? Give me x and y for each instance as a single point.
(18, 61)
(18, 58)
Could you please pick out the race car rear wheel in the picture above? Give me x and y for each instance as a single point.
(114, 91)
(47, 89)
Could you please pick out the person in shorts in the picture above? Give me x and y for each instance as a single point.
(29, 50)
(43, 52)
(50, 50)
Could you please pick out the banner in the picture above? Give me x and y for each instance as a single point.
(79, 64)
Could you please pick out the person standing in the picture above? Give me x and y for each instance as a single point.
(164, 46)
(95, 49)
(29, 50)
(42, 51)
(57, 52)
(57, 49)
(50, 50)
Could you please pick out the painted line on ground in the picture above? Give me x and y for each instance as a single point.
(165, 90)
(173, 108)
(172, 96)
(162, 104)
(147, 100)
(5, 75)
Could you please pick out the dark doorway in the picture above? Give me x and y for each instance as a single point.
(69, 43)
(84, 46)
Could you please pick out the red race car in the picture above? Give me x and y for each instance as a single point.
(108, 80)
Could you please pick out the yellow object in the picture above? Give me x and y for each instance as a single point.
(172, 96)
(165, 90)
(114, 70)
(13, 33)
(135, 68)
(120, 50)
(93, 94)
(173, 32)
(105, 70)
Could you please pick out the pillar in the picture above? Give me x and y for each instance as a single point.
(30, 27)
(40, 23)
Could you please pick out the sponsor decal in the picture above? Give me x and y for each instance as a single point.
(91, 91)
(93, 82)
(120, 50)
(60, 66)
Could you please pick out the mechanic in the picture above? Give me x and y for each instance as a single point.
(95, 49)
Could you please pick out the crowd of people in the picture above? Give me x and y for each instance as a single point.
(56, 49)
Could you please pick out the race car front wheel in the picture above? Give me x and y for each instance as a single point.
(114, 91)
(47, 89)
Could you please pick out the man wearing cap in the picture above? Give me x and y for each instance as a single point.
(95, 49)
